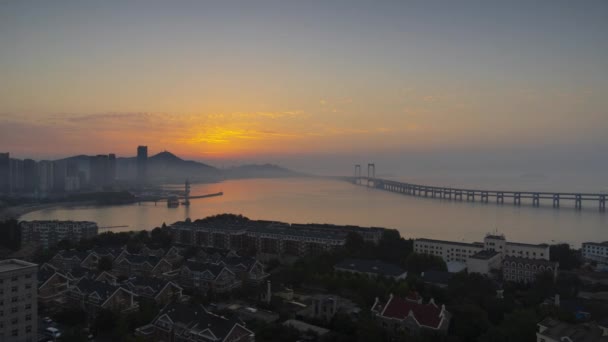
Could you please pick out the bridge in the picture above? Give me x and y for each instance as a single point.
(472, 195)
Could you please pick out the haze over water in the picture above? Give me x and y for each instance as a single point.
(309, 200)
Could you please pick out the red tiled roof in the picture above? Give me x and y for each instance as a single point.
(425, 314)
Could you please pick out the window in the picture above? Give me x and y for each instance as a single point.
(28, 317)
(15, 279)
(13, 309)
(28, 306)
(14, 289)
(15, 332)
(28, 329)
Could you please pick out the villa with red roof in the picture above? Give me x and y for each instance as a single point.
(411, 315)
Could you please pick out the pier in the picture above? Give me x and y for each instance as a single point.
(472, 195)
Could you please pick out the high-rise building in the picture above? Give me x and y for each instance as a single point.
(142, 164)
(30, 176)
(111, 167)
(46, 176)
(5, 173)
(99, 170)
(16, 175)
(59, 174)
(19, 298)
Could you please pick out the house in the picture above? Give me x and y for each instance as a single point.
(107, 277)
(191, 322)
(525, 270)
(52, 285)
(139, 265)
(306, 328)
(154, 289)
(208, 276)
(147, 251)
(373, 268)
(552, 330)
(247, 269)
(324, 307)
(174, 255)
(437, 278)
(78, 273)
(411, 315)
(92, 296)
(67, 260)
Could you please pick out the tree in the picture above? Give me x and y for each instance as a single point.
(469, 321)
(418, 263)
(104, 264)
(11, 234)
(568, 258)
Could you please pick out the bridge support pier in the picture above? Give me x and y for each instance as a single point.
(500, 198)
(578, 201)
(484, 196)
(471, 196)
(602, 202)
(517, 198)
(458, 194)
(536, 199)
(555, 200)
(447, 194)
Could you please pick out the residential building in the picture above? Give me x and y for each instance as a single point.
(484, 261)
(46, 176)
(141, 266)
(142, 165)
(411, 315)
(324, 307)
(596, 251)
(552, 330)
(154, 289)
(92, 296)
(5, 173)
(30, 176)
(52, 286)
(16, 176)
(524, 270)
(49, 233)
(68, 260)
(18, 301)
(247, 269)
(191, 322)
(373, 268)
(206, 276)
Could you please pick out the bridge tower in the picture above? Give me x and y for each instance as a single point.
(371, 174)
(187, 193)
(357, 174)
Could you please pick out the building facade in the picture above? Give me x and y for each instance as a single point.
(411, 315)
(18, 301)
(525, 270)
(594, 251)
(49, 233)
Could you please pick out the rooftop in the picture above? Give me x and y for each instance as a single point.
(468, 244)
(14, 264)
(370, 266)
(584, 332)
(485, 254)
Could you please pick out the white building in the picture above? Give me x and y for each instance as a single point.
(49, 233)
(525, 270)
(594, 251)
(19, 301)
(485, 261)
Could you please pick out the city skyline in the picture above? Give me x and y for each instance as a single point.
(302, 83)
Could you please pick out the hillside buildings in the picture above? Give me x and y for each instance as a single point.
(372, 268)
(411, 315)
(49, 233)
(520, 262)
(19, 301)
(267, 239)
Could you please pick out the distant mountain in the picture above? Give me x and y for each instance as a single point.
(166, 167)
(259, 171)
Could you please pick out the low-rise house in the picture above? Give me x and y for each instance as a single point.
(552, 330)
(325, 307)
(524, 270)
(437, 278)
(373, 268)
(154, 289)
(214, 255)
(206, 276)
(52, 285)
(484, 261)
(305, 329)
(247, 269)
(78, 273)
(141, 266)
(411, 315)
(147, 251)
(67, 260)
(92, 296)
(191, 322)
(174, 255)
(107, 277)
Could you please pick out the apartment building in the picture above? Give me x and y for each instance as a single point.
(596, 251)
(18, 301)
(49, 233)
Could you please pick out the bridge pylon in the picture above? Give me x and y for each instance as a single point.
(357, 174)
(371, 174)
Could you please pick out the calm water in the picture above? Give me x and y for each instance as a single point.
(325, 201)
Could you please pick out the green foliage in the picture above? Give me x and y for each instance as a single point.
(568, 258)
(71, 316)
(104, 264)
(11, 234)
(469, 321)
(275, 333)
(516, 327)
(417, 263)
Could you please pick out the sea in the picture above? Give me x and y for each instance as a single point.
(321, 200)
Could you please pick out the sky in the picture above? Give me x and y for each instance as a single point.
(312, 85)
